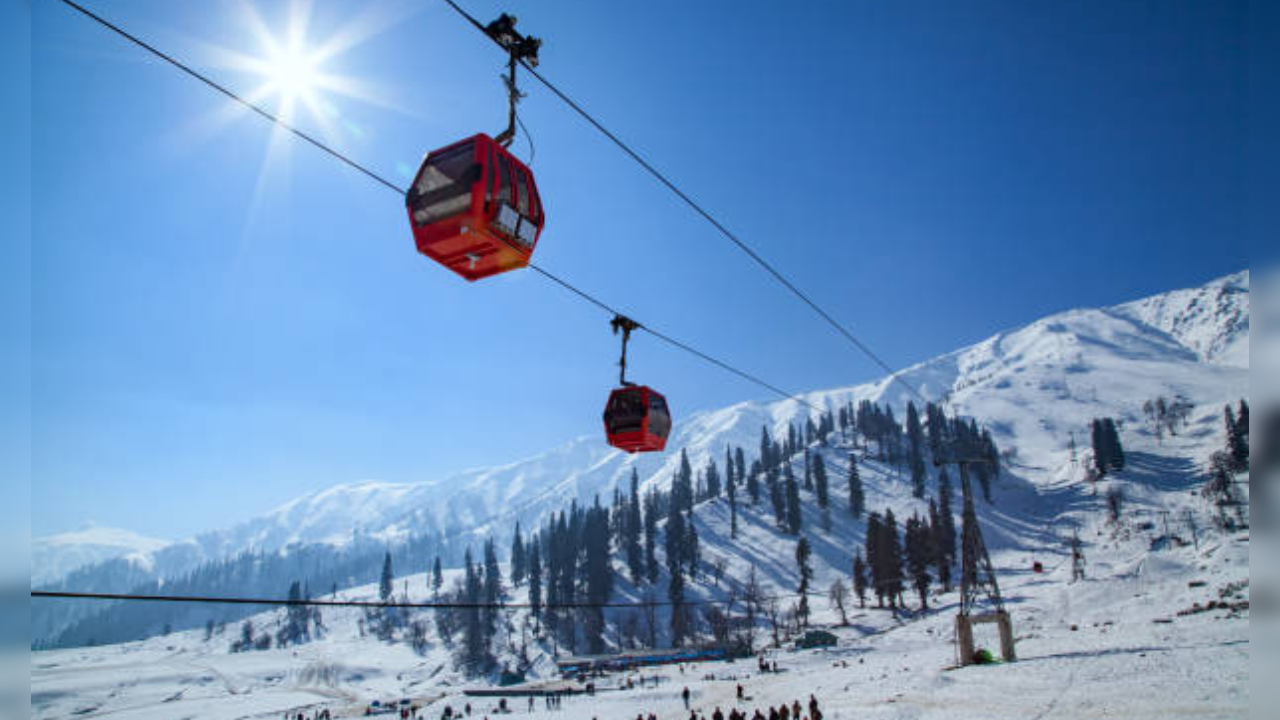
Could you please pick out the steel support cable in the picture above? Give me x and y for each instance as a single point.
(704, 213)
(234, 600)
(237, 600)
(400, 191)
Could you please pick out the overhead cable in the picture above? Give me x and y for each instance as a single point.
(187, 69)
(703, 212)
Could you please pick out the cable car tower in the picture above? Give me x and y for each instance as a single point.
(977, 579)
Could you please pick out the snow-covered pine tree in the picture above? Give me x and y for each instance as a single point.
(795, 516)
(753, 482)
(651, 536)
(776, 497)
(384, 585)
(803, 551)
(876, 568)
(891, 547)
(632, 531)
(518, 560)
(857, 498)
(860, 579)
(915, 450)
(535, 578)
(919, 551)
(940, 552)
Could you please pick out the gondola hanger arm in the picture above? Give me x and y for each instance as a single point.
(626, 325)
(520, 49)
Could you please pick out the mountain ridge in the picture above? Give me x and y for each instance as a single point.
(1191, 341)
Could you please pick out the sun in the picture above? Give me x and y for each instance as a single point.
(292, 74)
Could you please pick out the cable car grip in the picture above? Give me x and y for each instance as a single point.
(626, 325)
(520, 48)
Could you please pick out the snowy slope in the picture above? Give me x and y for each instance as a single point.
(1212, 320)
(55, 556)
(1112, 645)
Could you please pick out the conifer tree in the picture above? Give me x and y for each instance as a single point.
(915, 450)
(599, 574)
(651, 537)
(794, 515)
(935, 427)
(753, 482)
(1237, 437)
(732, 492)
(518, 560)
(803, 551)
(875, 557)
(692, 550)
(767, 460)
(384, 585)
(676, 536)
(713, 480)
(776, 497)
(945, 538)
(920, 553)
(820, 485)
(632, 531)
(679, 618)
(857, 499)
(740, 465)
(475, 639)
(940, 550)
(1116, 450)
(682, 483)
(535, 578)
(891, 546)
(808, 470)
(1108, 454)
(860, 579)
(437, 576)
(492, 588)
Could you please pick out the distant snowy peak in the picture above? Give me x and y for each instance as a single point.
(55, 556)
(1211, 320)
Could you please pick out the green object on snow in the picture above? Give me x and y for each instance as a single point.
(983, 657)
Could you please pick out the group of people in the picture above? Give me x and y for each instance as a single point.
(765, 666)
(322, 715)
(783, 712)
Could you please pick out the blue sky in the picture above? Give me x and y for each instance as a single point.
(223, 318)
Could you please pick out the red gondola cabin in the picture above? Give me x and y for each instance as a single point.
(474, 208)
(636, 419)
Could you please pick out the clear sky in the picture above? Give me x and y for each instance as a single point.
(223, 318)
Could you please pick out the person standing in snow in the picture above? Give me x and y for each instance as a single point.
(717, 715)
(741, 693)
(685, 695)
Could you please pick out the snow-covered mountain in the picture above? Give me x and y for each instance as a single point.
(1158, 625)
(1032, 386)
(56, 556)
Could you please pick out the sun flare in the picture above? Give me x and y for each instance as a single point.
(293, 74)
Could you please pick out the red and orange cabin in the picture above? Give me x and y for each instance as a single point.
(636, 419)
(474, 208)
